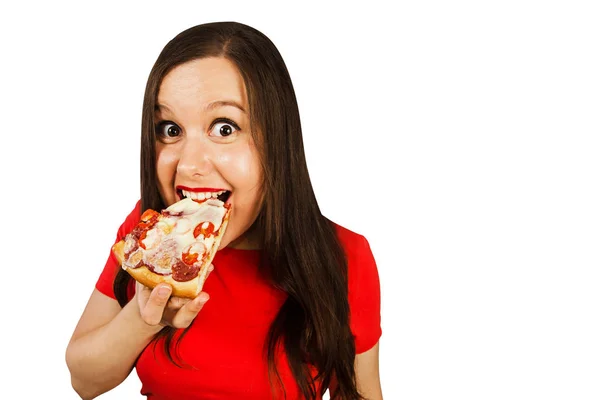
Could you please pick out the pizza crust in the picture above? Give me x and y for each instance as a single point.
(188, 289)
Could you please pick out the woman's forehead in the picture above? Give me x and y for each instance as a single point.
(203, 83)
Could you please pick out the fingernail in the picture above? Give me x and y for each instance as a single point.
(203, 298)
(164, 291)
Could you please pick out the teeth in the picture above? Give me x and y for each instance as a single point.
(201, 195)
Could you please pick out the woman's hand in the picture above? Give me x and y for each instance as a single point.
(158, 308)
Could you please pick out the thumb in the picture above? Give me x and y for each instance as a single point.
(155, 307)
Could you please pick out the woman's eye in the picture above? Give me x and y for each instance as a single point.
(167, 130)
(224, 128)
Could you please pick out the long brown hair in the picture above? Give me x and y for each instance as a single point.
(300, 252)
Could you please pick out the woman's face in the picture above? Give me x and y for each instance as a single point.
(204, 142)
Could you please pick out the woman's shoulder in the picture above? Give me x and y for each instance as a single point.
(131, 220)
(354, 244)
(364, 296)
(345, 233)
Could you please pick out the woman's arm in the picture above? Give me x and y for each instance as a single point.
(108, 340)
(366, 366)
(105, 344)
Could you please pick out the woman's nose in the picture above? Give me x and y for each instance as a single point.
(195, 158)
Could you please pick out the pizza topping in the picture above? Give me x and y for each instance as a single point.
(150, 238)
(191, 253)
(167, 213)
(189, 258)
(145, 224)
(156, 270)
(141, 239)
(178, 243)
(160, 262)
(165, 225)
(135, 258)
(183, 272)
(137, 231)
(149, 216)
(205, 229)
(184, 207)
(183, 226)
(131, 244)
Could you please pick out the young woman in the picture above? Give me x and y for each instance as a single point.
(294, 298)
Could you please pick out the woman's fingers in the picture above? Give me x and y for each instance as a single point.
(152, 311)
(186, 314)
(175, 302)
(142, 293)
(157, 306)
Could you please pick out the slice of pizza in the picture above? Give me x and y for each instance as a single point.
(175, 246)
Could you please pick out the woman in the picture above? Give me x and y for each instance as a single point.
(294, 298)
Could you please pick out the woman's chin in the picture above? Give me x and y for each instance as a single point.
(229, 240)
(222, 245)
(242, 242)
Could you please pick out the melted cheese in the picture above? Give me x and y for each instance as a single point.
(183, 226)
(166, 225)
(174, 234)
(130, 243)
(152, 238)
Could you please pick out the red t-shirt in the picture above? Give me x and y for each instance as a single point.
(225, 342)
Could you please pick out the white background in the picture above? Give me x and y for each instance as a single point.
(461, 138)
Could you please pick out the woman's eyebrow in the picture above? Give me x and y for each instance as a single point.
(223, 103)
(161, 107)
(210, 106)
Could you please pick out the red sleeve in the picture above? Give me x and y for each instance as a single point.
(364, 294)
(107, 277)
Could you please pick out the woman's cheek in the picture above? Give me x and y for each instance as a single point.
(240, 165)
(166, 169)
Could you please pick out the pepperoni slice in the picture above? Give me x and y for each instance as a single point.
(183, 272)
(189, 258)
(131, 245)
(149, 215)
(148, 220)
(193, 252)
(206, 228)
(151, 268)
(142, 237)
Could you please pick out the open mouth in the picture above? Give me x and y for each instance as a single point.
(199, 197)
